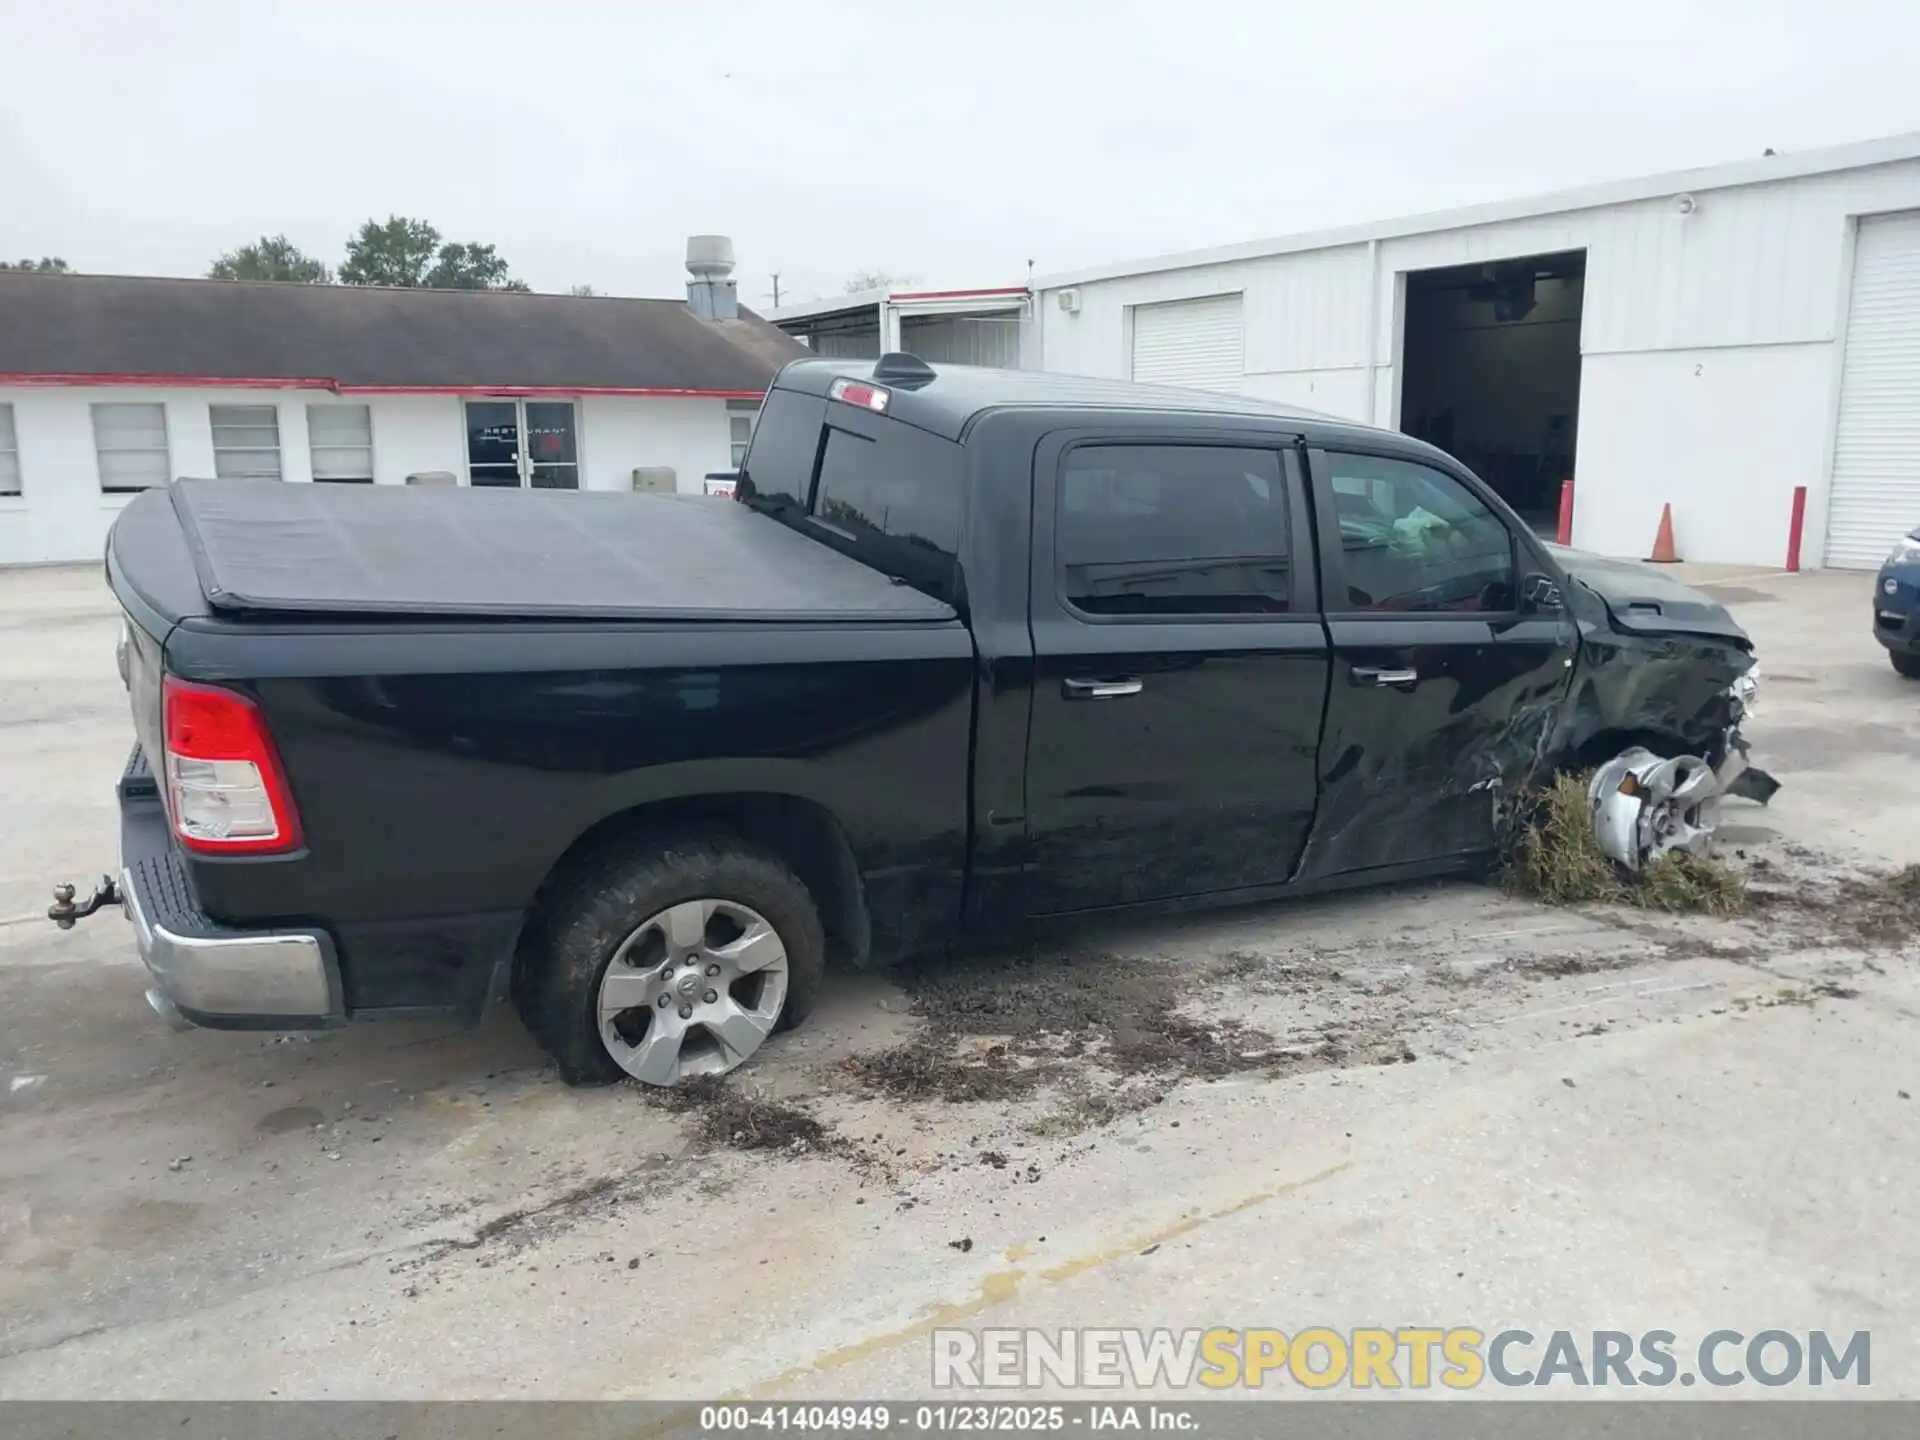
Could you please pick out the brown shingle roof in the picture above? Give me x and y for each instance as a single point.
(101, 326)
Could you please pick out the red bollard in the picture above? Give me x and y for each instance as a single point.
(1563, 533)
(1795, 526)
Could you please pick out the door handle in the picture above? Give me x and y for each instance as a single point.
(1389, 679)
(1102, 689)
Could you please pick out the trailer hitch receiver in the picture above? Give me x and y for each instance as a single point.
(65, 913)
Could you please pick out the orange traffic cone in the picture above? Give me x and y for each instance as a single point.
(1663, 541)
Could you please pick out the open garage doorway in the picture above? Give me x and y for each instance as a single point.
(1492, 372)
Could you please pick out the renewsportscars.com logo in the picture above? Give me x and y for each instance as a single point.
(1409, 1357)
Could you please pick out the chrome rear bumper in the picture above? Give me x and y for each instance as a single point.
(255, 978)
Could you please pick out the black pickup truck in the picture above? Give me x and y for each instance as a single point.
(966, 649)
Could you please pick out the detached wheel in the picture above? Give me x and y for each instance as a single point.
(670, 960)
(1907, 665)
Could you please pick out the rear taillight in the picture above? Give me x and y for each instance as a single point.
(226, 791)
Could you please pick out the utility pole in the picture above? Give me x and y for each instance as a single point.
(776, 289)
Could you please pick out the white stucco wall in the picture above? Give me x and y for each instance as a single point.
(413, 434)
(62, 514)
(1748, 290)
(619, 434)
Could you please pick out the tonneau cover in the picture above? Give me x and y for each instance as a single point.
(267, 547)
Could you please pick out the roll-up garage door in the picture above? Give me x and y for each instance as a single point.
(1190, 342)
(1876, 449)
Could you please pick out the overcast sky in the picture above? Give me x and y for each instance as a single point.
(947, 142)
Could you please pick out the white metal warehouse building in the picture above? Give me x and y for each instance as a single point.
(1712, 339)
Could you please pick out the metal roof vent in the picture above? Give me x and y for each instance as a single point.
(711, 294)
(710, 256)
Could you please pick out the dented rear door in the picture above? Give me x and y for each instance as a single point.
(1447, 676)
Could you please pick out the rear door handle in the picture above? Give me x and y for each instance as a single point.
(1102, 689)
(1391, 679)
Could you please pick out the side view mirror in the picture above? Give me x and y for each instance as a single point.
(1541, 594)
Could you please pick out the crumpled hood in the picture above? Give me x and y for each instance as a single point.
(1642, 600)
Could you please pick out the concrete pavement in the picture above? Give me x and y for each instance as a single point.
(1609, 1120)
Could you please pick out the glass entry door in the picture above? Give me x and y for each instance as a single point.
(523, 443)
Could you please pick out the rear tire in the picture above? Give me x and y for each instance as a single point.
(1908, 664)
(617, 903)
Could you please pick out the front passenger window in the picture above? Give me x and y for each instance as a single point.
(1415, 539)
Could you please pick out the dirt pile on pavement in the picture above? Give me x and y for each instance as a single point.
(729, 1117)
(1553, 857)
(1881, 909)
(1875, 910)
(1105, 1035)
(929, 1069)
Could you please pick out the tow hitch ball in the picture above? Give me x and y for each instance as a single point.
(64, 913)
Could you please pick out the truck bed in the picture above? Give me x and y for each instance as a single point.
(259, 548)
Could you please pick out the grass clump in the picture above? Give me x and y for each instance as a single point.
(1554, 857)
(1691, 884)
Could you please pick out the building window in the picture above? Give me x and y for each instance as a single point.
(246, 441)
(9, 453)
(130, 442)
(740, 417)
(341, 437)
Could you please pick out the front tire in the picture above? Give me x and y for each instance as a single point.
(663, 960)
(1907, 664)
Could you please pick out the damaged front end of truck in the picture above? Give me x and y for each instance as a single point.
(1663, 684)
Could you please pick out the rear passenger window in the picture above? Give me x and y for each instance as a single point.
(1173, 530)
(786, 439)
(893, 503)
(1415, 539)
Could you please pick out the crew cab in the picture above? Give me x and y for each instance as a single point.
(966, 649)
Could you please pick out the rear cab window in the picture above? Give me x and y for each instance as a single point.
(876, 489)
(1174, 530)
(777, 475)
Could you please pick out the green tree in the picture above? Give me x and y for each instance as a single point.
(45, 265)
(471, 267)
(395, 253)
(410, 254)
(271, 257)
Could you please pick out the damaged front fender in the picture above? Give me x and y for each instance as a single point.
(1661, 715)
(1646, 805)
(1673, 694)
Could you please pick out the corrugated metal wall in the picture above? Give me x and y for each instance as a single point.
(1757, 265)
(1309, 313)
(941, 339)
(1708, 335)
(844, 346)
(963, 339)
